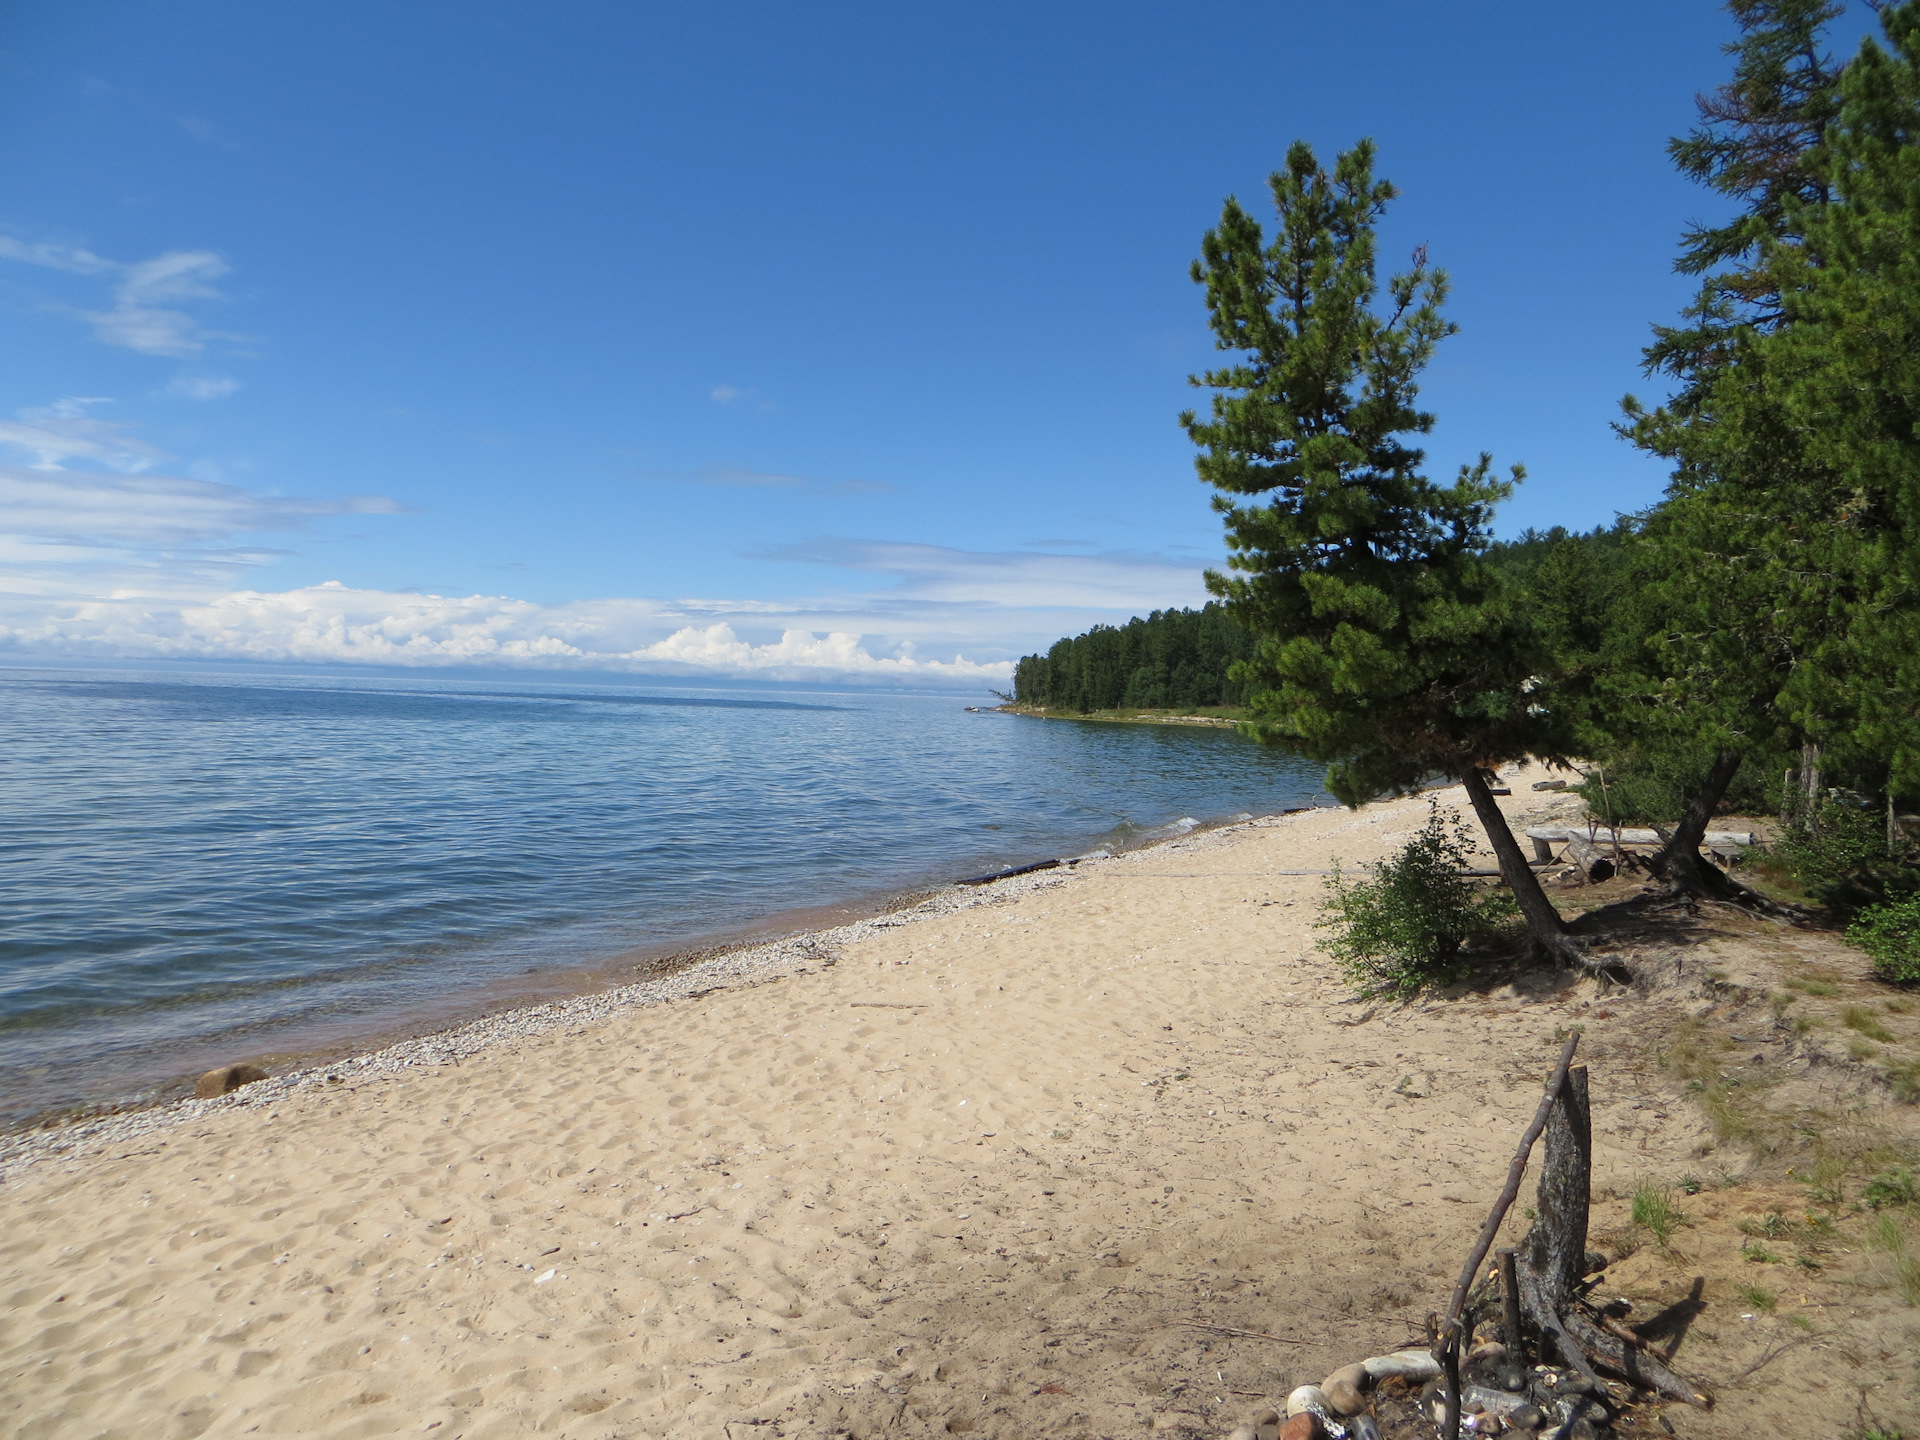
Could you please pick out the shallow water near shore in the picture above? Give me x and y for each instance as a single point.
(203, 867)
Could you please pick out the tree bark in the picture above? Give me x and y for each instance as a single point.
(1544, 925)
(1679, 862)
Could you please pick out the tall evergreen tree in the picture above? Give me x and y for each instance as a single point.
(1386, 647)
(1841, 375)
(1726, 615)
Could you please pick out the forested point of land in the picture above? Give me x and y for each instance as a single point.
(1171, 660)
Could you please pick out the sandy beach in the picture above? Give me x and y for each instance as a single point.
(975, 1170)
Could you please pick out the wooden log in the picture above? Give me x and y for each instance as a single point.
(1510, 1303)
(1556, 834)
(1593, 864)
(1557, 1246)
(1582, 1345)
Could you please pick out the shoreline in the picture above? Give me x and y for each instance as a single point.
(317, 1044)
(1054, 1156)
(675, 973)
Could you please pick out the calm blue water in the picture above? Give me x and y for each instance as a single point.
(201, 868)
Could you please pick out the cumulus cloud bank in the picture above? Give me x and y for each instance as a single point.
(334, 624)
(102, 556)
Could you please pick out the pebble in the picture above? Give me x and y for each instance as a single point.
(1304, 1426)
(1306, 1399)
(1403, 1364)
(1346, 1389)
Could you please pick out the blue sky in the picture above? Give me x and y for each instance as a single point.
(832, 341)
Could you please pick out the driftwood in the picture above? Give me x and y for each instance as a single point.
(1593, 863)
(1009, 874)
(1545, 1283)
(1557, 1246)
(1585, 1345)
(1446, 1343)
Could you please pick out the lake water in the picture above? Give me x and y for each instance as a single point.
(196, 869)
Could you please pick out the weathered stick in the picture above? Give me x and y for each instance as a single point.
(1225, 1330)
(1509, 1193)
(1448, 1340)
(1510, 1301)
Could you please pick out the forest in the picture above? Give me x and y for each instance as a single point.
(1173, 659)
(1752, 640)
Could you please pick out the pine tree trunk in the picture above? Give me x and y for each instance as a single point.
(1544, 925)
(1679, 862)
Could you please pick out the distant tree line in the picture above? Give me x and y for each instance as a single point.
(1753, 637)
(1173, 659)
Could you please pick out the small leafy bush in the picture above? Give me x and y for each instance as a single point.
(1408, 924)
(1842, 861)
(1891, 935)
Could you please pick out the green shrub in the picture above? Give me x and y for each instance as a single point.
(1891, 935)
(1411, 921)
(1843, 862)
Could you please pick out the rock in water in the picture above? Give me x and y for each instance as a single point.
(226, 1080)
(1346, 1389)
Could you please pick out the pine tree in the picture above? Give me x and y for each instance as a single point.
(1842, 375)
(1740, 565)
(1386, 647)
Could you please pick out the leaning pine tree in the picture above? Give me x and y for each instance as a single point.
(1386, 646)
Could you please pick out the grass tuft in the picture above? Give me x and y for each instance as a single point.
(1858, 1017)
(1654, 1212)
(1759, 1297)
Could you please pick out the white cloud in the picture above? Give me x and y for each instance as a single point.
(63, 431)
(86, 508)
(115, 561)
(201, 387)
(335, 624)
(800, 653)
(56, 257)
(140, 318)
(727, 394)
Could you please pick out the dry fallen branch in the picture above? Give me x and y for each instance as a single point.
(1224, 1330)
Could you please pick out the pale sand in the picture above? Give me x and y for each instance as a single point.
(1130, 1095)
